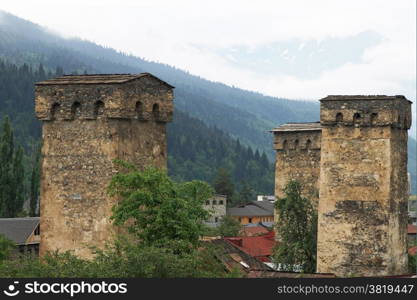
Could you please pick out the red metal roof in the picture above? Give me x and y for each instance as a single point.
(256, 246)
(411, 229)
(412, 250)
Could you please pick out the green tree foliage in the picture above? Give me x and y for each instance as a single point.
(296, 229)
(11, 173)
(6, 247)
(228, 227)
(158, 210)
(16, 99)
(165, 220)
(35, 182)
(412, 261)
(18, 190)
(122, 260)
(246, 194)
(223, 183)
(196, 151)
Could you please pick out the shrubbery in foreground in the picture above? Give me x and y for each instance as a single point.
(164, 220)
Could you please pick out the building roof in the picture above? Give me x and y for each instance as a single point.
(256, 246)
(411, 229)
(263, 224)
(253, 230)
(232, 256)
(412, 250)
(362, 97)
(267, 224)
(96, 79)
(267, 205)
(220, 196)
(18, 230)
(280, 274)
(290, 127)
(252, 209)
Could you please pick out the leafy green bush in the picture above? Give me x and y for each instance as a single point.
(229, 226)
(6, 247)
(123, 259)
(412, 263)
(165, 221)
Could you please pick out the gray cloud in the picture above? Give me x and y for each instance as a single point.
(302, 59)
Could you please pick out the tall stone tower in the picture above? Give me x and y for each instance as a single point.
(297, 148)
(362, 226)
(88, 121)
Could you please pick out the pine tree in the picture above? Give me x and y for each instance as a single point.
(18, 192)
(41, 72)
(223, 183)
(11, 174)
(246, 193)
(34, 183)
(59, 71)
(264, 161)
(257, 155)
(6, 174)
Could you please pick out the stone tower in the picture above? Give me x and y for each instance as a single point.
(297, 148)
(88, 121)
(362, 226)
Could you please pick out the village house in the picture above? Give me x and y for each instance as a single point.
(24, 232)
(217, 208)
(253, 212)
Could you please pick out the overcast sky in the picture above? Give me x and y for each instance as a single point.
(294, 49)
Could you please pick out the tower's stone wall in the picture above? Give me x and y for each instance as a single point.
(363, 185)
(297, 148)
(88, 121)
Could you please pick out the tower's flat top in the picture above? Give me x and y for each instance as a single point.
(362, 97)
(308, 126)
(95, 79)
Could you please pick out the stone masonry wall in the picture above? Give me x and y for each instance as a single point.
(85, 127)
(362, 209)
(217, 208)
(298, 158)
